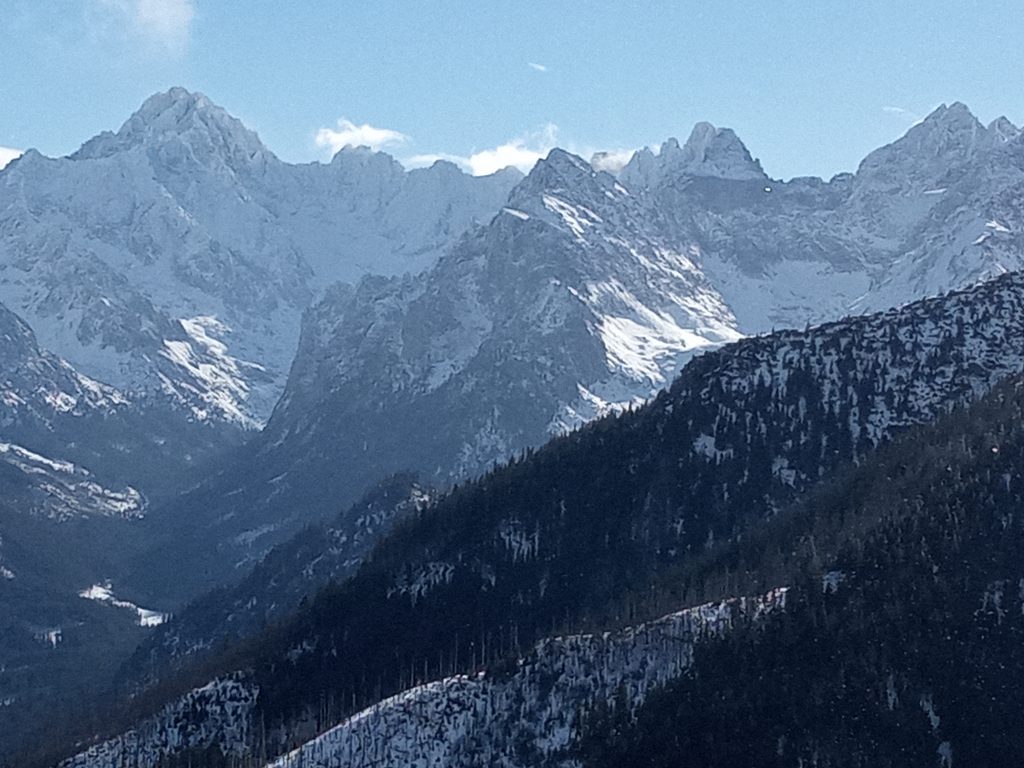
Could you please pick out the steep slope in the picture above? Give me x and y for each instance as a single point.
(531, 714)
(576, 533)
(52, 409)
(901, 640)
(176, 255)
(290, 574)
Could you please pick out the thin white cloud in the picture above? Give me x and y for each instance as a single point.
(165, 22)
(908, 115)
(7, 155)
(536, 66)
(522, 153)
(611, 160)
(365, 135)
(901, 112)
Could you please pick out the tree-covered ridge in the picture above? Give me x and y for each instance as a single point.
(291, 573)
(579, 533)
(902, 640)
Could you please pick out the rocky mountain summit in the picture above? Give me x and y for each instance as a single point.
(176, 255)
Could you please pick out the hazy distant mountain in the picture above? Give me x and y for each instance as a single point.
(291, 573)
(176, 255)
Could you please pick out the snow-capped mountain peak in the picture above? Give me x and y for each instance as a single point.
(183, 216)
(718, 152)
(560, 170)
(1002, 131)
(946, 139)
(179, 115)
(359, 156)
(709, 152)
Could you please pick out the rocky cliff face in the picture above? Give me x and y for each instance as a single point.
(587, 293)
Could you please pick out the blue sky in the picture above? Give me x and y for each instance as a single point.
(809, 85)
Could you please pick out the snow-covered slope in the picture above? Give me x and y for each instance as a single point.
(60, 490)
(50, 409)
(218, 715)
(35, 386)
(176, 255)
(531, 717)
(526, 717)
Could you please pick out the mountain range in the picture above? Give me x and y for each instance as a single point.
(174, 257)
(585, 294)
(211, 362)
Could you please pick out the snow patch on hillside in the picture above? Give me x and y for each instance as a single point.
(62, 490)
(104, 593)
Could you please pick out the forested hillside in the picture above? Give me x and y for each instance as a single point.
(901, 643)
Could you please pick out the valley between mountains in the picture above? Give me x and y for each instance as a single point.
(344, 464)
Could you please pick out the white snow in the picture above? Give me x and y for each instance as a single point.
(108, 249)
(52, 636)
(531, 716)
(705, 446)
(219, 713)
(104, 593)
(32, 463)
(65, 490)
